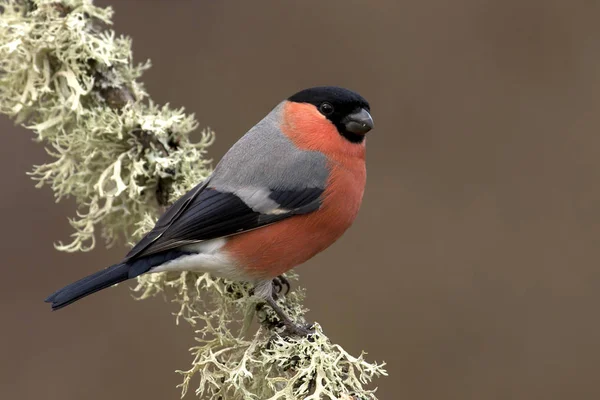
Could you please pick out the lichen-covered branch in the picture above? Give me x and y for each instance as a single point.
(68, 78)
(75, 86)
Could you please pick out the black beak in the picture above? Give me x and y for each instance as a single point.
(359, 122)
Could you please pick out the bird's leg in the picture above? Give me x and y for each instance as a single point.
(265, 290)
(290, 326)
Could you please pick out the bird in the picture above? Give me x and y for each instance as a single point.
(285, 191)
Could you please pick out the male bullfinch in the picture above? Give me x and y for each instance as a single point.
(285, 191)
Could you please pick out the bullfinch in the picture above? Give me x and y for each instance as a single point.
(288, 189)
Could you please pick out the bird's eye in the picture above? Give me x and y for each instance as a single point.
(326, 109)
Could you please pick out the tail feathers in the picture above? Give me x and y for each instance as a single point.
(110, 276)
(88, 285)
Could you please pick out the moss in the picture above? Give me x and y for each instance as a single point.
(69, 79)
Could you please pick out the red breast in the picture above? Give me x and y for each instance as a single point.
(273, 250)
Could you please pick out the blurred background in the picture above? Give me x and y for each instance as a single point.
(472, 269)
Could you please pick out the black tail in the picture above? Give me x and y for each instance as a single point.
(88, 285)
(110, 276)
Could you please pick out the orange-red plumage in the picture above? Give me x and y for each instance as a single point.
(273, 250)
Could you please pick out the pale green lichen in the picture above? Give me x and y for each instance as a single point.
(121, 157)
(75, 86)
(231, 363)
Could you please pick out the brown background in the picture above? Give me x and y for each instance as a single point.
(473, 266)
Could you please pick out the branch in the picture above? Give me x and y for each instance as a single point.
(66, 77)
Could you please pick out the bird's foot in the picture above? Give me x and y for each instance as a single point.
(291, 328)
(278, 283)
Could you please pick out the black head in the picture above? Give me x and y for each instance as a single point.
(347, 110)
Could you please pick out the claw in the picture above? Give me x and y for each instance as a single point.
(277, 287)
(285, 282)
(279, 282)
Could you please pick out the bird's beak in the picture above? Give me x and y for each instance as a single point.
(359, 122)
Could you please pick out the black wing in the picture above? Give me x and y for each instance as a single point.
(205, 213)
